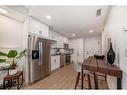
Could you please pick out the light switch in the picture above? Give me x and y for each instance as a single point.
(126, 52)
(87, 52)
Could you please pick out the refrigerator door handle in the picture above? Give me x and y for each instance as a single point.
(40, 51)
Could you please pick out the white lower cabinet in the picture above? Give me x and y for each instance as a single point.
(55, 62)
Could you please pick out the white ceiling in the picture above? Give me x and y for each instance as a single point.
(69, 19)
(72, 19)
(14, 13)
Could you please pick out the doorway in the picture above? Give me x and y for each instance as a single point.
(92, 45)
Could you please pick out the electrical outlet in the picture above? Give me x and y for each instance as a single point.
(40, 32)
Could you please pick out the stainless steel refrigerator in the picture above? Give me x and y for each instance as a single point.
(38, 58)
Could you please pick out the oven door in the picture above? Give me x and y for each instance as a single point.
(68, 58)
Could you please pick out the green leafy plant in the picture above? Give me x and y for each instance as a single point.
(12, 57)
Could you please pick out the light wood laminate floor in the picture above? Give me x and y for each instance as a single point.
(63, 78)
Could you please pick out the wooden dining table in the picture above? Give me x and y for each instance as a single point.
(100, 65)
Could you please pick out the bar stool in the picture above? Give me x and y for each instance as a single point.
(77, 67)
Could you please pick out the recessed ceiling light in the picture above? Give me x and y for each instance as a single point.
(91, 31)
(48, 17)
(3, 11)
(73, 35)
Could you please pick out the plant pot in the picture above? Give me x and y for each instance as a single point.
(12, 71)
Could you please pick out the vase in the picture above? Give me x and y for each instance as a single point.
(110, 54)
(12, 71)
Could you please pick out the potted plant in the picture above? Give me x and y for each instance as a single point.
(12, 58)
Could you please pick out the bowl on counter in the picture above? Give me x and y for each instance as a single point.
(99, 56)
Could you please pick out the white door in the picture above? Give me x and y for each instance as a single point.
(77, 46)
(92, 46)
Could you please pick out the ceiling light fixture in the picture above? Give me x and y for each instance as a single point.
(48, 17)
(73, 35)
(3, 11)
(91, 31)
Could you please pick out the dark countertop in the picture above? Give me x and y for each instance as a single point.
(54, 54)
(60, 54)
(69, 53)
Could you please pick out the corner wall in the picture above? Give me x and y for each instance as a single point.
(10, 37)
(117, 20)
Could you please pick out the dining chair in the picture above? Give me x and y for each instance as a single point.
(77, 67)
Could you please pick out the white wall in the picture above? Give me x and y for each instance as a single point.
(79, 46)
(10, 32)
(10, 36)
(116, 21)
(25, 45)
(92, 45)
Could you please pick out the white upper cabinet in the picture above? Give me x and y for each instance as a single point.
(65, 40)
(59, 38)
(38, 28)
(44, 30)
(53, 35)
(59, 41)
(34, 26)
